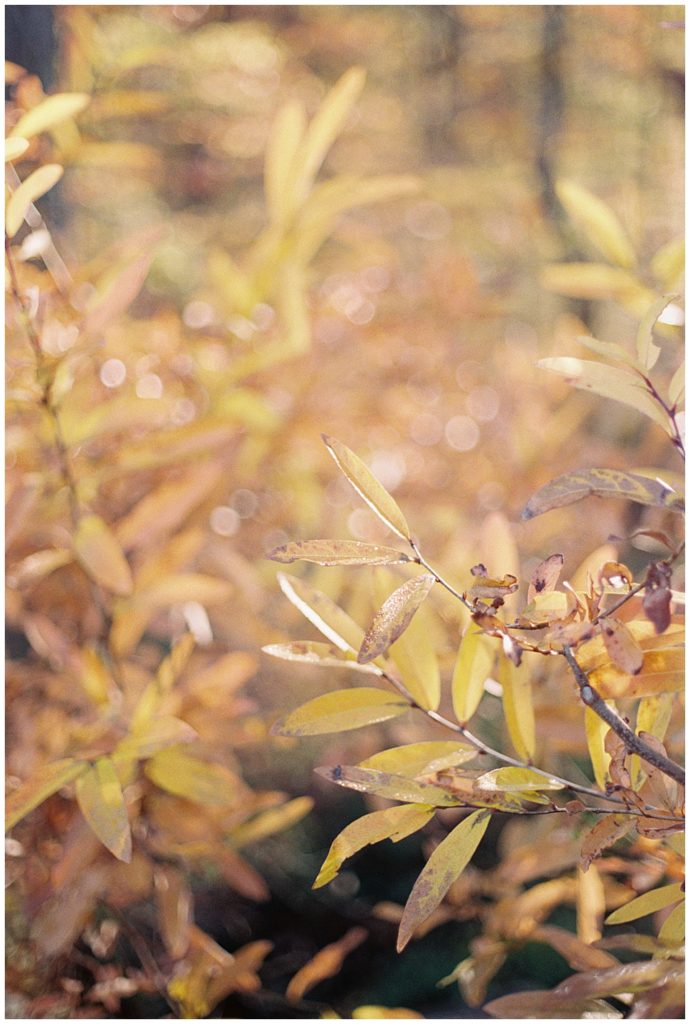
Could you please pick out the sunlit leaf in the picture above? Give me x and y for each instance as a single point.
(49, 112)
(622, 647)
(608, 830)
(100, 555)
(313, 652)
(545, 576)
(610, 382)
(672, 931)
(473, 665)
(340, 711)
(101, 801)
(488, 588)
(668, 263)
(282, 155)
(647, 351)
(444, 866)
(598, 222)
(325, 964)
(184, 775)
(663, 671)
(157, 734)
(275, 819)
(326, 615)
(394, 616)
(603, 483)
(513, 780)
(337, 552)
(14, 148)
(95, 676)
(648, 903)
(676, 389)
(593, 281)
(42, 784)
(611, 351)
(368, 487)
(388, 785)
(414, 652)
(517, 706)
(31, 189)
(385, 1013)
(414, 759)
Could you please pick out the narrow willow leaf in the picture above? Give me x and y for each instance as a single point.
(118, 294)
(598, 222)
(42, 784)
(31, 189)
(282, 153)
(337, 552)
(518, 707)
(445, 865)
(326, 963)
(14, 148)
(595, 731)
(579, 954)
(174, 664)
(542, 1004)
(390, 786)
(676, 389)
(51, 111)
(545, 576)
(647, 351)
(648, 903)
(475, 660)
(393, 823)
(414, 759)
(394, 616)
(623, 648)
(311, 652)
(603, 483)
(184, 775)
(653, 716)
(100, 555)
(326, 615)
(592, 281)
(275, 819)
(512, 780)
(368, 487)
(340, 711)
(672, 931)
(605, 833)
(668, 263)
(610, 382)
(414, 653)
(610, 350)
(634, 977)
(157, 734)
(101, 801)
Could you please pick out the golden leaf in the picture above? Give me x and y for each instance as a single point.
(101, 801)
(340, 711)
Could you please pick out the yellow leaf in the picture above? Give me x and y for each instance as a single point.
(282, 155)
(173, 665)
(593, 281)
(394, 616)
(392, 787)
(98, 552)
(595, 730)
(95, 677)
(648, 903)
(368, 487)
(498, 549)
(337, 552)
(517, 706)
(653, 716)
(183, 775)
(385, 1013)
(181, 588)
(445, 865)
(676, 388)
(154, 735)
(415, 759)
(326, 615)
(14, 148)
(604, 483)
(663, 671)
(598, 222)
(51, 111)
(276, 819)
(393, 823)
(312, 652)
(514, 780)
(668, 263)
(31, 189)
(101, 801)
(165, 509)
(325, 964)
(473, 666)
(647, 351)
(340, 711)
(672, 931)
(42, 784)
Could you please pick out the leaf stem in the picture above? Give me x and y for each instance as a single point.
(676, 436)
(421, 560)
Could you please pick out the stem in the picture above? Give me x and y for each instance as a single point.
(633, 743)
(676, 437)
(419, 558)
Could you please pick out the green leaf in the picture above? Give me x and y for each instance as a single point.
(647, 351)
(31, 189)
(648, 903)
(413, 759)
(389, 785)
(42, 784)
(100, 555)
(340, 711)
(368, 487)
(51, 111)
(475, 660)
(445, 865)
(603, 483)
(597, 221)
(393, 823)
(312, 652)
(610, 382)
(394, 616)
(337, 552)
(183, 775)
(326, 615)
(101, 801)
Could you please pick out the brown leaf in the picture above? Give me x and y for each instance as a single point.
(325, 964)
(545, 576)
(579, 955)
(488, 588)
(657, 596)
(394, 616)
(635, 977)
(622, 647)
(174, 900)
(608, 830)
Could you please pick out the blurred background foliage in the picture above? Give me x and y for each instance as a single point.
(403, 312)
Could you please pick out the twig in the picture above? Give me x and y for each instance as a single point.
(676, 437)
(419, 558)
(633, 743)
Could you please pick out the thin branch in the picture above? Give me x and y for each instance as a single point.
(676, 437)
(633, 743)
(419, 558)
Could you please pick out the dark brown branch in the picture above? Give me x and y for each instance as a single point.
(633, 743)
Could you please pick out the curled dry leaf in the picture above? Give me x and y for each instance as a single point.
(657, 596)
(394, 617)
(545, 576)
(608, 830)
(488, 588)
(325, 964)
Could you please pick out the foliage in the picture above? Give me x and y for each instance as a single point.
(242, 266)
